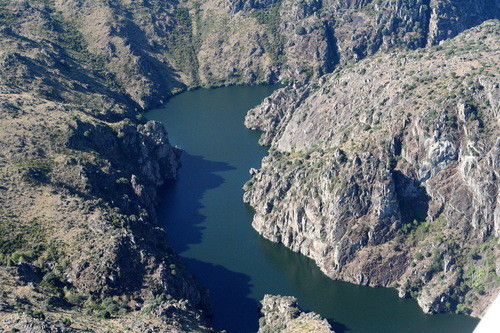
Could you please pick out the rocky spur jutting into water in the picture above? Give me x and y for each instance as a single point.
(282, 314)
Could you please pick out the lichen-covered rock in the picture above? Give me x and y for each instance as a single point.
(282, 314)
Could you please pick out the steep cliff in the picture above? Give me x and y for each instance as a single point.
(151, 49)
(386, 172)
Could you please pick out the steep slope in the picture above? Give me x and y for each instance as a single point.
(157, 47)
(386, 172)
(79, 242)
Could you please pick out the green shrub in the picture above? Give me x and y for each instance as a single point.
(104, 314)
(110, 305)
(462, 309)
(39, 315)
(51, 280)
(418, 256)
(122, 180)
(74, 298)
(300, 31)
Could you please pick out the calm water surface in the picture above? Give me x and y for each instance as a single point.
(210, 227)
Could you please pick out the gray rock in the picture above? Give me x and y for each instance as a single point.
(282, 314)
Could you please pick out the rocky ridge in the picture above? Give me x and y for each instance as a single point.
(386, 172)
(151, 49)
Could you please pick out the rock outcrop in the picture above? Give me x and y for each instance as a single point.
(282, 314)
(386, 172)
(155, 48)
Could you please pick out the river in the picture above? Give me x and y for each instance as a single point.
(210, 227)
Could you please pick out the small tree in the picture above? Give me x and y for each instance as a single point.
(300, 31)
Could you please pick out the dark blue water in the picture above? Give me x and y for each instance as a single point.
(210, 227)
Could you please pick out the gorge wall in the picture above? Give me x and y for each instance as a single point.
(80, 248)
(153, 48)
(386, 172)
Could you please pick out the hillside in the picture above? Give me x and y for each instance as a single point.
(79, 170)
(386, 172)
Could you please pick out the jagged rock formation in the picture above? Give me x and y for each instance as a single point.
(386, 172)
(282, 314)
(316, 35)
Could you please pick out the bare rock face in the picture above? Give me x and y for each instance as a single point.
(385, 172)
(308, 38)
(281, 314)
(449, 18)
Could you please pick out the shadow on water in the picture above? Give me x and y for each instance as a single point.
(228, 290)
(181, 209)
(181, 199)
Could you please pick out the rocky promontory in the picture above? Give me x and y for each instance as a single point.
(282, 314)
